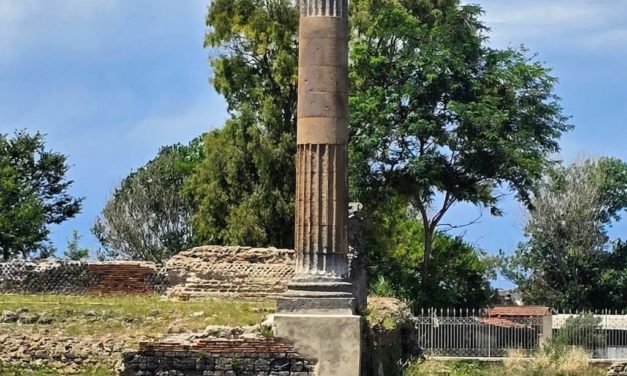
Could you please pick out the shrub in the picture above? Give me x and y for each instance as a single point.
(582, 330)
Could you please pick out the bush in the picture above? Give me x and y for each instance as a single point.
(582, 331)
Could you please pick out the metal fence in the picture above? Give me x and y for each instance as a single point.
(481, 334)
(475, 334)
(602, 334)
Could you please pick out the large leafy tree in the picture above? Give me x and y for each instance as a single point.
(34, 194)
(461, 271)
(244, 187)
(436, 116)
(149, 215)
(441, 118)
(568, 260)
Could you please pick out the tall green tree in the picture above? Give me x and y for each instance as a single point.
(568, 260)
(395, 243)
(244, 187)
(34, 194)
(441, 118)
(149, 215)
(436, 116)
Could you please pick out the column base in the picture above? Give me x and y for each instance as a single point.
(318, 297)
(333, 342)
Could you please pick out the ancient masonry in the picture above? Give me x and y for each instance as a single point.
(322, 137)
(202, 272)
(79, 277)
(317, 313)
(257, 357)
(618, 369)
(213, 271)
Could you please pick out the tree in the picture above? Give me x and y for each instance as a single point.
(395, 246)
(568, 261)
(34, 194)
(436, 116)
(244, 186)
(74, 252)
(149, 215)
(439, 117)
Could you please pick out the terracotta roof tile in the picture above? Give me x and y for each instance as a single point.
(503, 323)
(524, 311)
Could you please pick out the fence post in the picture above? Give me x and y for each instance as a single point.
(605, 330)
(547, 329)
(432, 341)
(489, 341)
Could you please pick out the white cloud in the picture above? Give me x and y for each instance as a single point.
(25, 24)
(610, 39)
(590, 25)
(91, 27)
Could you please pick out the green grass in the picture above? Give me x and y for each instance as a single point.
(142, 315)
(14, 371)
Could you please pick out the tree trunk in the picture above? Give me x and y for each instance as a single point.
(428, 244)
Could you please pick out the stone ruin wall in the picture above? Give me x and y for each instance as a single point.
(202, 272)
(72, 277)
(255, 357)
(217, 351)
(229, 271)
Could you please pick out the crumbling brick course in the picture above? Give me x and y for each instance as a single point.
(217, 357)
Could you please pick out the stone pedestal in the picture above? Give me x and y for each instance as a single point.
(332, 341)
(318, 298)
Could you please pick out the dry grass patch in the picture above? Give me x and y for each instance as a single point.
(570, 362)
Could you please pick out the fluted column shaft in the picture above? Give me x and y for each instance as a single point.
(322, 136)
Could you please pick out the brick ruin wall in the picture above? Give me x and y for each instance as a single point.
(72, 277)
(209, 271)
(201, 272)
(258, 357)
(229, 271)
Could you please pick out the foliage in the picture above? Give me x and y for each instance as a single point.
(439, 117)
(74, 251)
(381, 287)
(582, 331)
(568, 261)
(394, 242)
(434, 112)
(241, 189)
(148, 216)
(244, 186)
(34, 193)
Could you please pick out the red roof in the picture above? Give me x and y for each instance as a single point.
(524, 311)
(503, 323)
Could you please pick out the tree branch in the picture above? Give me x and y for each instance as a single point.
(452, 227)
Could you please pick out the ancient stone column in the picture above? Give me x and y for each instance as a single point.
(321, 240)
(317, 313)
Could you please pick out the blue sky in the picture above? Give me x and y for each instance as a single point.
(110, 81)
